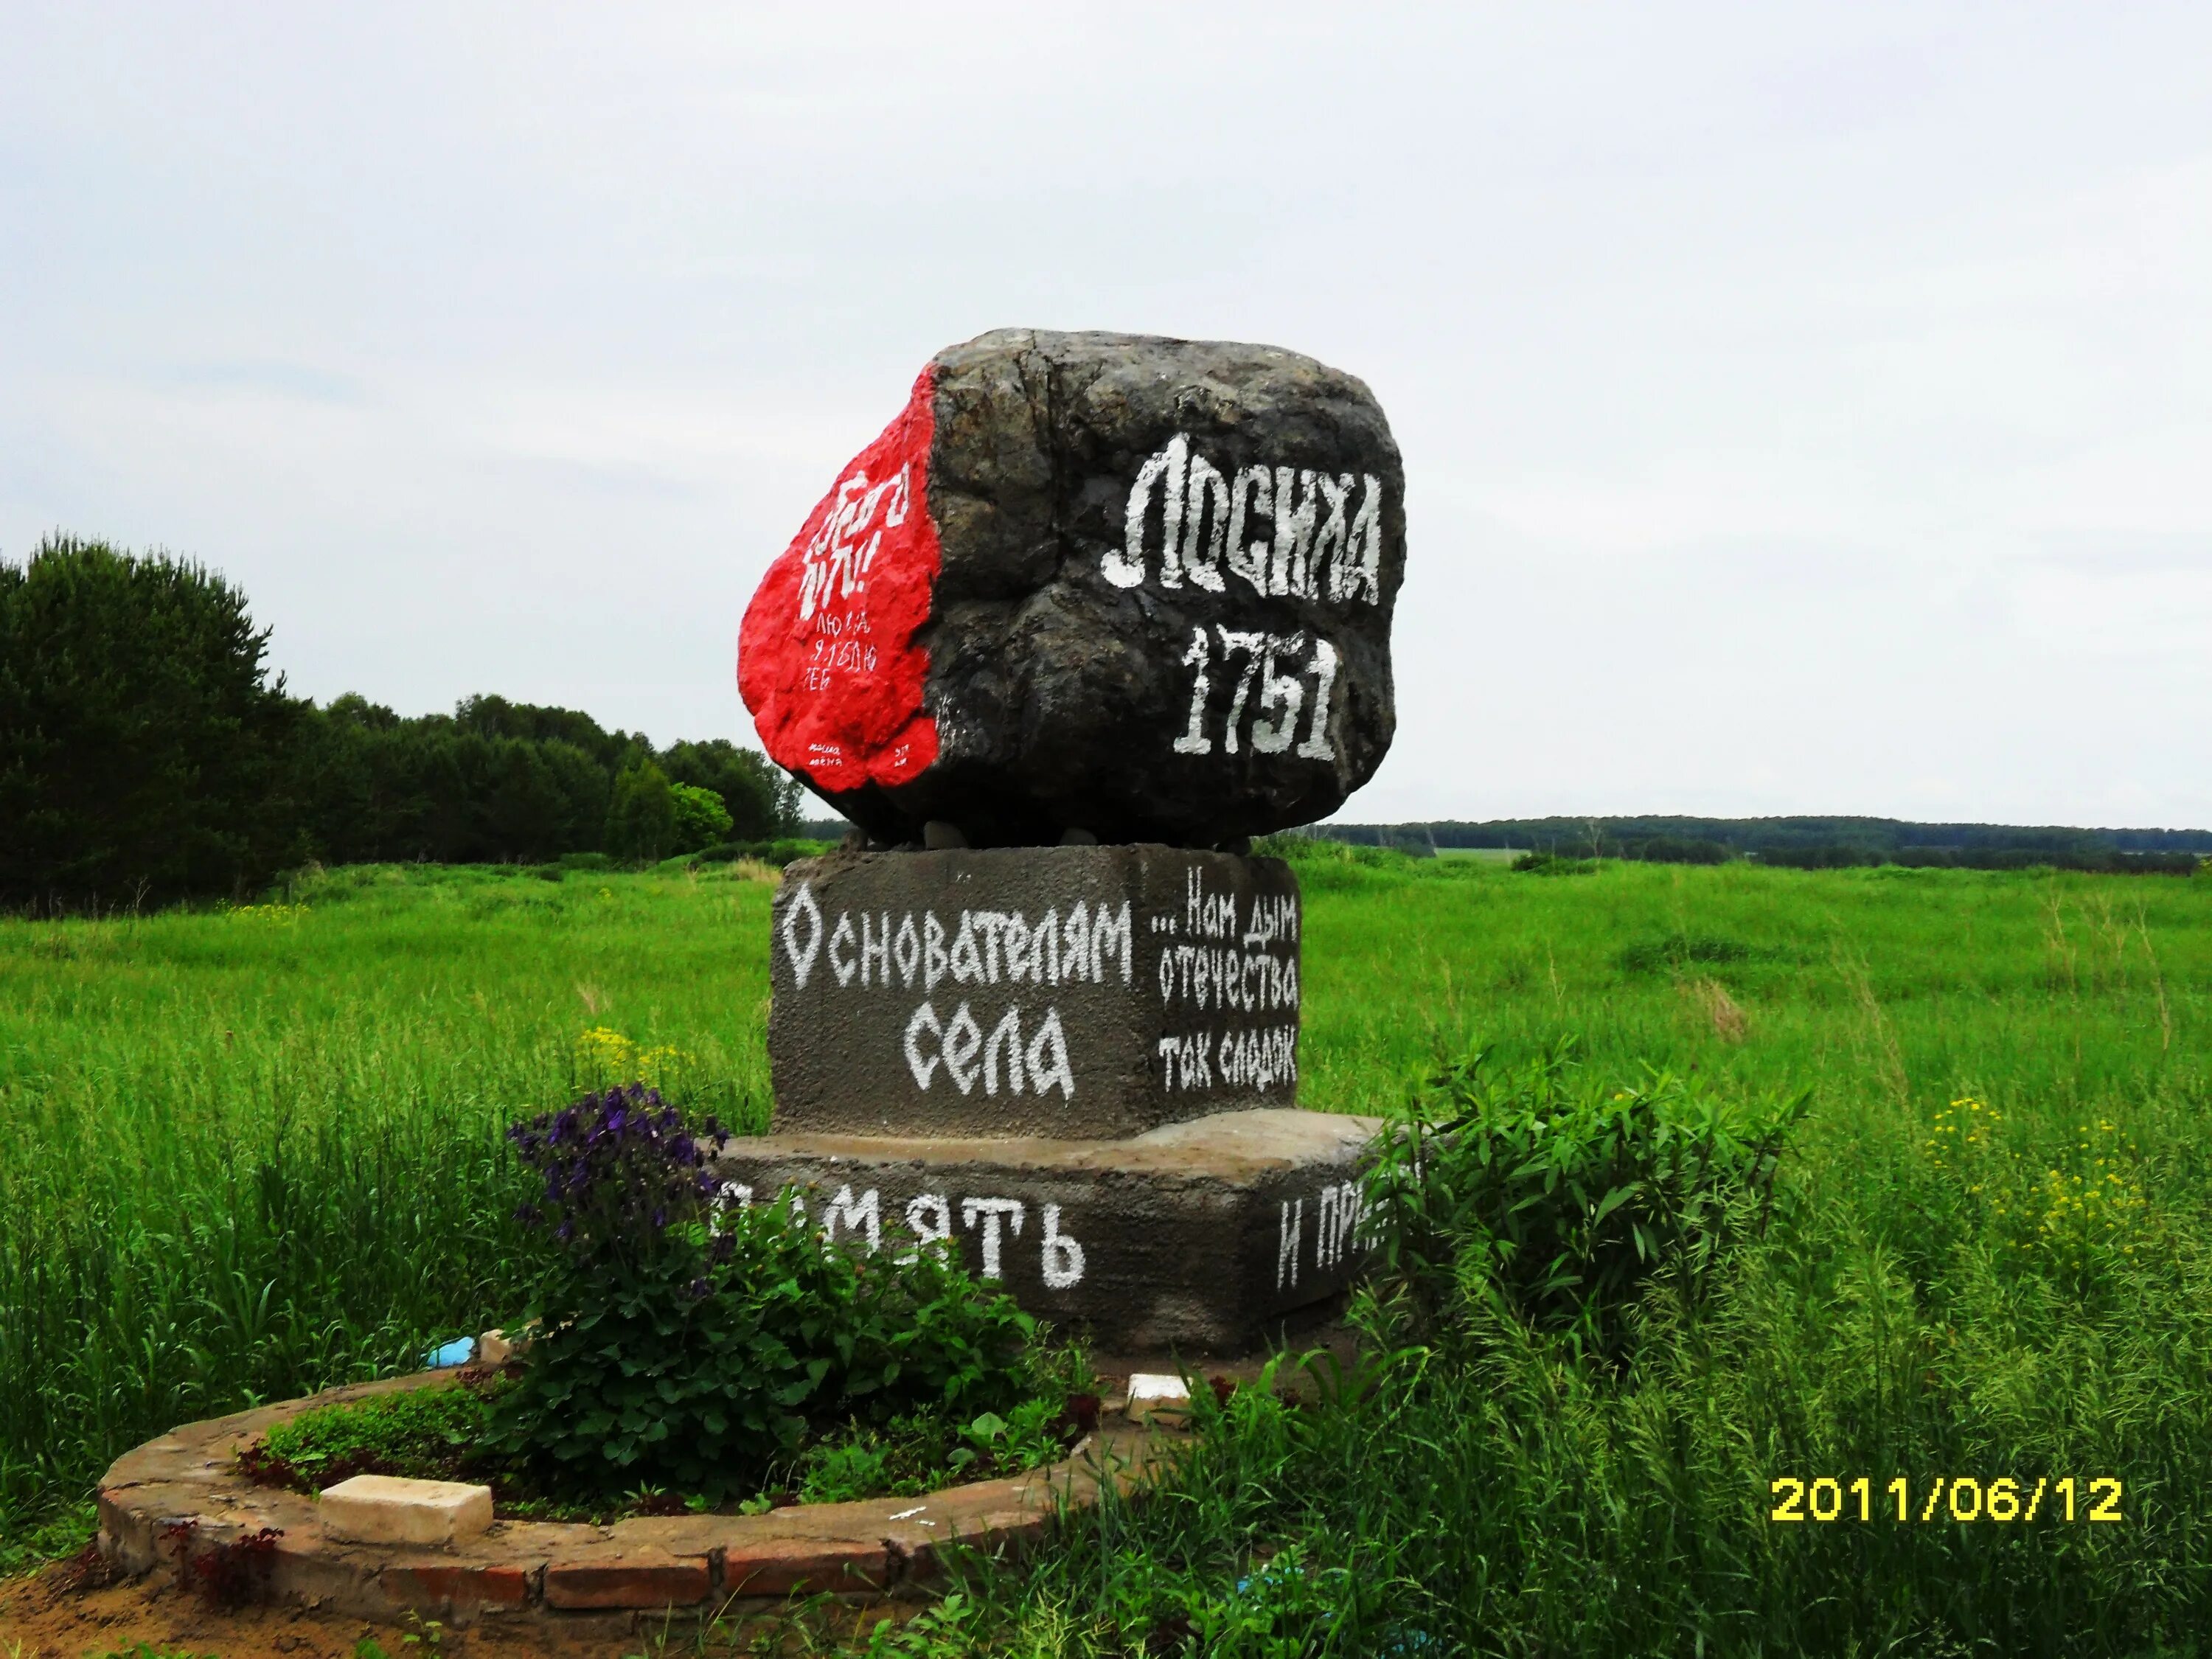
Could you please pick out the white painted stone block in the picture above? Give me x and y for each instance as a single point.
(1153, 1392)
(379, 1508)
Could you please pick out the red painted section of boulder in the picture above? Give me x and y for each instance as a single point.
(827, 660)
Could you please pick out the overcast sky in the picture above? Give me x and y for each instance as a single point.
(1805, 409)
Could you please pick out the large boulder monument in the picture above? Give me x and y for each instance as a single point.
(1093, 610)
(1133, 588)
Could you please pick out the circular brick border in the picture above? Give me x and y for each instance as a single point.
(180, 1501)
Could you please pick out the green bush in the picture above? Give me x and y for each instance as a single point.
(761, 799)
(1550, 864)
(1322, 850)
(1556, 1196)
(920, 1451)
(777, 853)
(691, 1347)
(422, 1434)
(701, 818)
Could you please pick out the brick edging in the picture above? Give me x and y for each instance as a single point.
(179, 1503)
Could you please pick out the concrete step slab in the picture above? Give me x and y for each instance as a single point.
(1200, 1238)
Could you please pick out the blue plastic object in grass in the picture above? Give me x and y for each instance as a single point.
(458, 1351)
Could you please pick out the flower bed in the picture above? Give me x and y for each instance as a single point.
(716, 1407)
(450, 1434)
(185, 1504)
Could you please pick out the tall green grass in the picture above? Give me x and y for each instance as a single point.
(243, 1154)
(1936, 1298)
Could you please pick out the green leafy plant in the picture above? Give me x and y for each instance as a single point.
(860, 1463)
(695, 1348)
(425, 1434)
(1558, 1195)
(701, 818)
(1030, 1434)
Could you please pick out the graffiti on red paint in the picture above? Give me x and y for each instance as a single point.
(827, 660)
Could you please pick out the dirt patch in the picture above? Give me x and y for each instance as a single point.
(48, 1616)
(44, 1618)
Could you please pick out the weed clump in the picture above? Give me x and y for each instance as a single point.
(1678, 952)
(1555, 1197)
(1552, 864)
(420, 1434)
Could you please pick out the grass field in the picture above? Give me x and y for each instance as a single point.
(243, 1154)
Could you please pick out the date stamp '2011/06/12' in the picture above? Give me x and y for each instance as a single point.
(1956, 1498)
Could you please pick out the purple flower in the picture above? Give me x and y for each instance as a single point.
(618, 1169)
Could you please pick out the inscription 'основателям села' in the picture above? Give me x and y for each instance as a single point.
(1226, 967)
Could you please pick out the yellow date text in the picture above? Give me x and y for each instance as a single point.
(1946, 1498)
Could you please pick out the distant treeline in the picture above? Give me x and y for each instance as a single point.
(498, 781)
(145, 755)
(1805, 843)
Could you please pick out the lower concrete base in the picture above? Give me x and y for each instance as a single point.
(1203, 1238)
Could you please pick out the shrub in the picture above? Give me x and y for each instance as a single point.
(701, 818)
(1679, 953)
(917, 1453)
(1550, 864)
(424, 1434)
(1324, 849)
(1558, 1197)
(776, 853)
(761, 799)
(693, 1347)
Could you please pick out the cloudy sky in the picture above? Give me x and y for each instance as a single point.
(1806, 409)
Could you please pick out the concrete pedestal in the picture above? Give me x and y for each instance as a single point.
(1076, 1065)
(1202, 1237)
